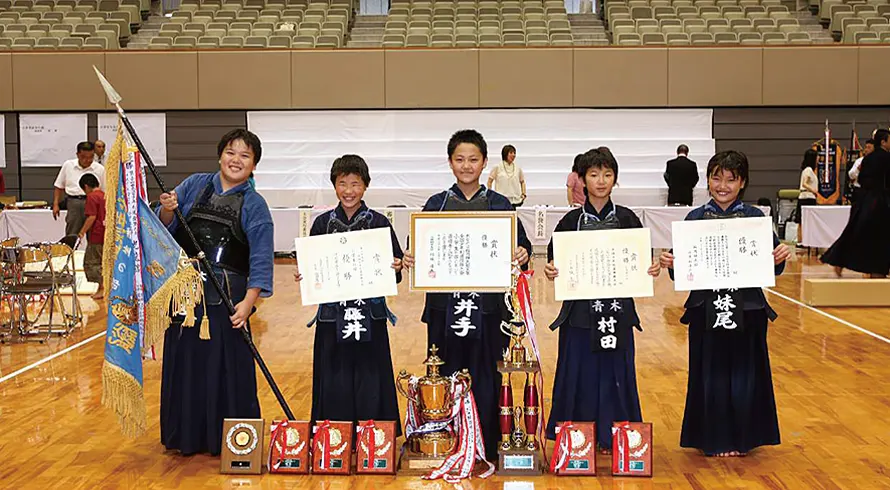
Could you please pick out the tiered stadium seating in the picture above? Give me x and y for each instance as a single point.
(468, 24)
(255, 24)
(857, 22)
(69, 24)
(702, 22)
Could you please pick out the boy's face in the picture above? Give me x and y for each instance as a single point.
(467, 163)
(724, 186)
(350, 189)
(599, 182)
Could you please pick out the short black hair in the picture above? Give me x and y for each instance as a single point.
(85, 146)
(251, 140)
(506, 151)
(597, 158)
(577, 162)
(881, 136)
(869, 142)
(88, 180)
(810, 158)
(683, 150)
(735, 162)
(470, 136)
(350, 164)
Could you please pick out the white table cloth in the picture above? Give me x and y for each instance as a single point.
(822, 225)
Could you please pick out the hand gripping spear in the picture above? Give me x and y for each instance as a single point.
(115, 99)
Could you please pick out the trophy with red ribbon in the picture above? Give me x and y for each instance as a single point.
(375, 449)
(632, 449)
(574, 453)
(520, 450)
(332, 448)
(289, 447)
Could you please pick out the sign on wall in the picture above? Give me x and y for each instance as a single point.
(47, 140)
(151, 128)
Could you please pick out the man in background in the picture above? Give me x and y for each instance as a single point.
(681, 176)
(99, 152)
(67, 186)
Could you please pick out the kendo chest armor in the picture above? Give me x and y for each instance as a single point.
(454, 203)
(215, 220)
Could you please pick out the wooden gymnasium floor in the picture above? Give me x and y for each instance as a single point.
(829, 369)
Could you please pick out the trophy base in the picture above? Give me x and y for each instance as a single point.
(412, 463)
(514, 367)
(519, 461)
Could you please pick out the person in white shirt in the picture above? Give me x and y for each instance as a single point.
(99, 152)
(67, 185)
(507, 178)
(854, 171)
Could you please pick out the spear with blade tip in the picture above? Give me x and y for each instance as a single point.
(115, 99)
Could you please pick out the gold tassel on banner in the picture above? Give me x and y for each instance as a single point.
(123, 394)
(181, 292)
(112, 176)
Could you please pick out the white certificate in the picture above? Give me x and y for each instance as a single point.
(463, 251)
(723, 254)
(346, 266)
(47, 140)
(603, 264)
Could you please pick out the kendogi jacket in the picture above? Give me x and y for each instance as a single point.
(610, 321)
(717, 303)
(353, 318)
(473, 304)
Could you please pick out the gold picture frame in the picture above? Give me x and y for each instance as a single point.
(496, 269)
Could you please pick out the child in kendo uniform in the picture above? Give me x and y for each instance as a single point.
(730, 404)
(595, 377)
(352, 373)
(479, 348)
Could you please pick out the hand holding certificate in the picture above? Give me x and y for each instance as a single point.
(346, 266)
(723, 254)
(602, 264)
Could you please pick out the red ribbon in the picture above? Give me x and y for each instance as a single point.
(562, 448)
(523, 291)
(323, 434)
(277, 432)
(620, 447)
(366, 431)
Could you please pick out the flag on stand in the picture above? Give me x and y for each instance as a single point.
(146, 276)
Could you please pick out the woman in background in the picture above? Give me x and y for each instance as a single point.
(575, 185)
(507, 178)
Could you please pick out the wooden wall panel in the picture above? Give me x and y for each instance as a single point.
(874, 74)
(620, 77)
(427, 78)
(714, 76)
(6, 102)
(525, 77)
(154, 80)
(244, 79)
(810, 75)
(57, 81)
(342, 79)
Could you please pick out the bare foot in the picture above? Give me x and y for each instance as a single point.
(838, 271)
(98, 295)
(605, 451)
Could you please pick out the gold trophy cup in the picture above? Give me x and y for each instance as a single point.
(432, 394)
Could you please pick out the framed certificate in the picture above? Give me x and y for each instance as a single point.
(602, 264)
(469, 251)
(723, 254)
(346, 266)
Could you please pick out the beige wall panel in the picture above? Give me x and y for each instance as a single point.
(57, 81)
(5, 82)
(152, 80)
(621, 77)
(709, 77)
(245, 79)
(428, 78)
(525, 77)
(341, 79)
(874, 75)
(790, 75)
